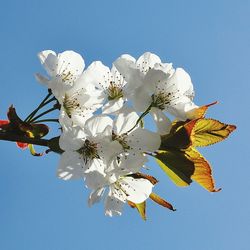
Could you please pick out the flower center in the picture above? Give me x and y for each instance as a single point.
(114, 91)
(70, 104)
(88, 151)
(161, 99)
(122, 140)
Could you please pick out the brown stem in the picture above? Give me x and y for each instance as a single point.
(5, 136)
(52, 144)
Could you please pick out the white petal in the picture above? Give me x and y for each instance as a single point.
(97, 125)
(141, 99)
(181, 108)
(40, 78)
(130, 162)
(124, 64)
(137, 190)
(107, 149)
(147, 61)
(97, 74)
(125, 121)
(80, 119)
(160, 73)
(70, 62)
(95, 179)
(114, 202)
(143, 140)
(113, 106)
(167, 68)
(71, 138)
(49, 60)
(182, 81)
(70, 166)
(96, 196)
(163, 123)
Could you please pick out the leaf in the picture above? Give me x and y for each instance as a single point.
(209, 131)
(156, 198)
(18, 126)
(22, 145)
(36, 130)
(141, 208)
(203, 172)
(33, 152)
(176, 165)
(199, 112)
(179, 136)
(150, 178)
(4, 122)
(183, 167)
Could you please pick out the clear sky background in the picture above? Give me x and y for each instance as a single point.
(211, 40)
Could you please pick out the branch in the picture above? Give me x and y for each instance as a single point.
(52, 144)
(5, 136)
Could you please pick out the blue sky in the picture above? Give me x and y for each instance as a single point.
(210, 39)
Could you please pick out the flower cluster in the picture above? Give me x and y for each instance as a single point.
(105, 139)
(112, 120)
(101, 112)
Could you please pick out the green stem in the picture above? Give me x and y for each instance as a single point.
(42, 104)
(43, 113)
(141, 117)
(46, 120)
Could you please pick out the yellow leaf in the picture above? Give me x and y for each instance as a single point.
(176, 165)
(33, 152)
(141, 208)
(183, 167)
(199, 112)
(202, 173)
(209, 131)
(156, 198)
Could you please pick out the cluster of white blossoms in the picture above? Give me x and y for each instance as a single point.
(101, 112)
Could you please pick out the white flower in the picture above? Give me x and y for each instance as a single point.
(109, 86)
(78, 104)
(121, 190)
(88, 149)
(158, 87)
(174, 93)
(134, 140)
(63, 69)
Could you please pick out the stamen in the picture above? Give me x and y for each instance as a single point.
(122, 140)
(114, 91)
(70, 104)
(88, 151)
(114, 83)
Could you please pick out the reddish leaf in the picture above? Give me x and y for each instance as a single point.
(199, 112)
(156, 198)
(22, 145)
